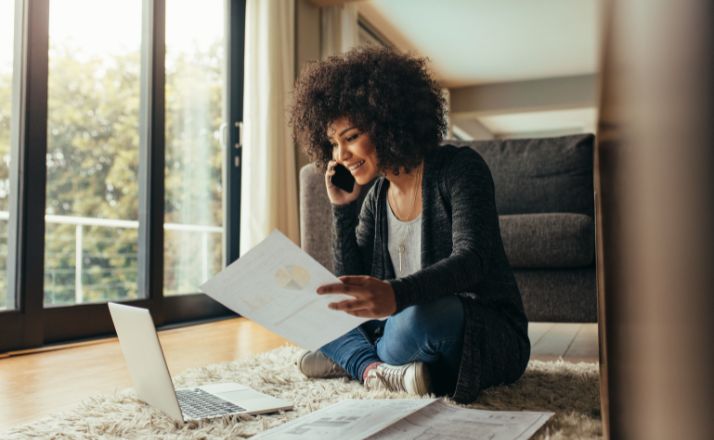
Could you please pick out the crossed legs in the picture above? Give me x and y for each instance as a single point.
(430, 333)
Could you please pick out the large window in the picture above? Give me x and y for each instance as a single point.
(195, 98)
(113, 176)
(92, 201)
(7, 14)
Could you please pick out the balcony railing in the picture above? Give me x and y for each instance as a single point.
(80, 223)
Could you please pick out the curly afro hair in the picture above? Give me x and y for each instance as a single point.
(388, 95)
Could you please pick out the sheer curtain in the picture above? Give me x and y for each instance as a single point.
(339, 29)
(269, 182)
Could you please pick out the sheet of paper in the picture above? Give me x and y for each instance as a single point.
(347, 420)
(441, 421)
(274, 284)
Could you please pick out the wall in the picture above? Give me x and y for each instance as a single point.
(525, 96)
(541, 107)
(307, 48)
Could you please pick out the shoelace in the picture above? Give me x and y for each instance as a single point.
(392, 378)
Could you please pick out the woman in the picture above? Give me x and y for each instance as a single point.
(424, 249)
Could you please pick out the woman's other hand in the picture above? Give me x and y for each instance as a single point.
(337, 195)
(373, 298)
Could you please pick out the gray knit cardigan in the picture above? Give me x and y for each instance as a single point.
(462, 254)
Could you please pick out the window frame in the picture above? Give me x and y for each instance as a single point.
(30, 324)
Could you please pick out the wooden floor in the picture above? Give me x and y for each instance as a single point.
(36, 384)
(572, 342)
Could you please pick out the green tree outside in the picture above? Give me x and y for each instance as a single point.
(5, 109)
(93, 163)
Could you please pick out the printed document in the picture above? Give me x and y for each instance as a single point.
(441, 421)
(347, 420)
(406, 419)
(274, 285)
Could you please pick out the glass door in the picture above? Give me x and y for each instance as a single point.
(118, 117)
(8, 111)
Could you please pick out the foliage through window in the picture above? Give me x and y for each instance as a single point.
(7, 14)
(195, 97)
(94, 108)
(93, 128)
(113, 124)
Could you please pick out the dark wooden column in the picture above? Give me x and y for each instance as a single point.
(655, 158)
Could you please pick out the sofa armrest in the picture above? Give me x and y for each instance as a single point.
(315, 216)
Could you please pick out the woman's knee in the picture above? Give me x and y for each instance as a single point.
(442, 317)
(398, 344)
(417, 330)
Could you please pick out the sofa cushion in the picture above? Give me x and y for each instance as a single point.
(540, 175)
(556, 240)
(568, 295)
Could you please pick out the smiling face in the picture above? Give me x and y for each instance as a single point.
(354, 149)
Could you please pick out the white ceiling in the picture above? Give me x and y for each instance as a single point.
(485, 41)
(476, 42)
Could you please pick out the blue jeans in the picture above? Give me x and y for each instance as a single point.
(430, 333)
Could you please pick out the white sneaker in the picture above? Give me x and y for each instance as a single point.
(412, 378)
(315, 365)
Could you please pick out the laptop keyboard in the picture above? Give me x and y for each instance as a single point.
(198, 404)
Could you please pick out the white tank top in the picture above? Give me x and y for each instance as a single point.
(404, 243)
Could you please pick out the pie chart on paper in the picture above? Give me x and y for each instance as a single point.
(292, 277)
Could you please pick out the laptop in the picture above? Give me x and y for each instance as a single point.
(147, 367)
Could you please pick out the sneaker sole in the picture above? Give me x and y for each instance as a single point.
(422, 379)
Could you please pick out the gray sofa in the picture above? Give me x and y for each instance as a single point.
(544, 197)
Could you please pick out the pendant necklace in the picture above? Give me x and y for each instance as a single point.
(401, 249)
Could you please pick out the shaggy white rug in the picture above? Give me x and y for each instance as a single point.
(570, 390)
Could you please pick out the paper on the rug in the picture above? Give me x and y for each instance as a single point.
(439, 420)
(274, 284)
(347, 420)
(408, 419)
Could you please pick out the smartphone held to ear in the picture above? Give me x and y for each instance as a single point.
(343, 178)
